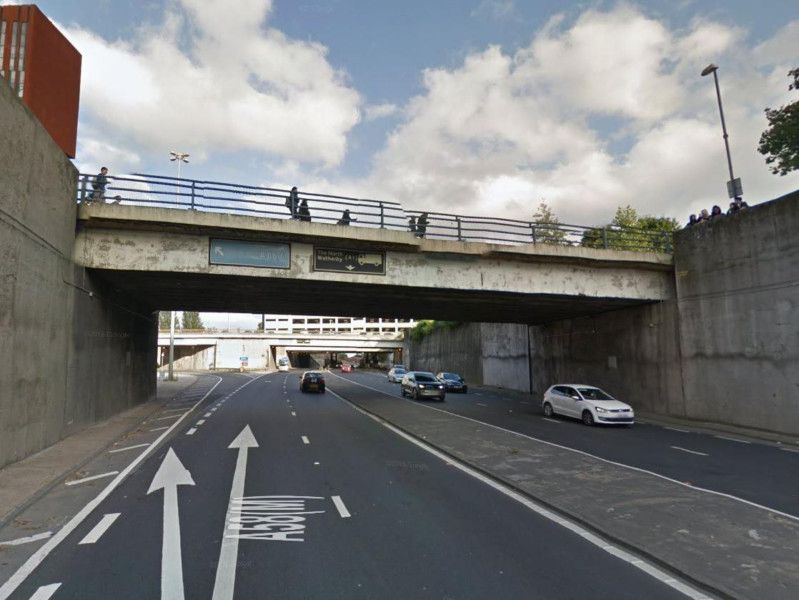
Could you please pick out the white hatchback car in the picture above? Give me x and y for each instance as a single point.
(587, 403)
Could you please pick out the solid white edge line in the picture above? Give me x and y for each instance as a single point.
(305, 439)
(605, 460)
(794, 450)
(551, 420)
(689, 451)
(45, 592)
(27, 540)
(92, 478)
(341, 507)
(13, 582)
(126, 448)
(596, 540)
(98, 530)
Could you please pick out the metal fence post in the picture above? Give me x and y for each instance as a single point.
(382, 217)
(532, 232)
(605, 237)
(458, 221)
(192, 193)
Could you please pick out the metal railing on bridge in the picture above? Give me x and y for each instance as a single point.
(213, 196)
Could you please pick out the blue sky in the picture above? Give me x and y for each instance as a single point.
(472, 106)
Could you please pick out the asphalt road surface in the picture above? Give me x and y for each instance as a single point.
(265, 492)
(761, 473)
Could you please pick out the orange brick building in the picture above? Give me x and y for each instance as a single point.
(38, 62)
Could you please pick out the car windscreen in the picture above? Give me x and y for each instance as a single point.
(453, 376)
(398, 371)
(425, 378)
(594, 394)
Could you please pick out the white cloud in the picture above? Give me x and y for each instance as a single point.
(207, 84)
(380, 111)
(496, 9)
(501, 131)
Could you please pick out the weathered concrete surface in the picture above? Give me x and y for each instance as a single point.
(482, 353)
(738, 289)
(726, 545)
(634, 354)
(481, 282)
(69, 344)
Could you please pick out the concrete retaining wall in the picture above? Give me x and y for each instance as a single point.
(482, 353)
(71, 350)
(738, 289)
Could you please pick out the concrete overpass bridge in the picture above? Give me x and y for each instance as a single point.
(176, 259)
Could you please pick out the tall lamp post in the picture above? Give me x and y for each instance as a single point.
(734, 187)
(179, 157)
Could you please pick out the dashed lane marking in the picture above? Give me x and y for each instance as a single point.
(341, 507)
(98, 530)
(92, 478)
(27, 540)
(293, 414)
(201, 421)
(550, 420)
(583, 453)
(126, 448)
(38, 557)
(689, 451)
(206, 415)
(45, 592)
(481, 404)
(191, 431)
(732, 439)
(587, 535)
(305, 440)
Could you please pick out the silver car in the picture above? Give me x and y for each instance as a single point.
(587, 403)
(396, 373)
(422, 384)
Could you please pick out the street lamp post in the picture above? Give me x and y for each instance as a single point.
(734, 187)
(179, 157)
(172, 347)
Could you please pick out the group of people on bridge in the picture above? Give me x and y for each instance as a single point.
(736, 205)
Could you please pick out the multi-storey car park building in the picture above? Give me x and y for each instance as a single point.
(43, 69)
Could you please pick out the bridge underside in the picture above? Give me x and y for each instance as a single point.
(234, 293)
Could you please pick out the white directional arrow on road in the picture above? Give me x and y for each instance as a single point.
(169, 476)
(229, 554)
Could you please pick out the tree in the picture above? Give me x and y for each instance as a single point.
(780, 142)
(191, 320)
(547, 225)
(164, 319)
(628, 231)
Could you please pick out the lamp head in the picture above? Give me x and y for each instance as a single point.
(709, 69)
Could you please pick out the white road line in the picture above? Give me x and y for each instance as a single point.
(648, 568)
(206, 415)
(213, 410)
(191, 431)
(689, 451)
(98, 530)
(27, 540)
(293, 414)
(342, 509)
(676, 429)
(200, 422)
(126, 448)
(550, 420)
(480, 404)
(594, 456)
(92, 478)
(45, 592)
(732, 439)
(173, 410)
(523, 402)
(37, 557)
(794, 450)
(305, 440)
(161, 428)
(165, 418)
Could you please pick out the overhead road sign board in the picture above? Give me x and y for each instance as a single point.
(338, 260)
(240, 253)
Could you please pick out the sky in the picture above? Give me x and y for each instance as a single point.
(478, 107)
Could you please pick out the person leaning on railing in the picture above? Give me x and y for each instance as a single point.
(98, 185)
(345, 219)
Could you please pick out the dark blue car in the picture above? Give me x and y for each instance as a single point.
(453, 382)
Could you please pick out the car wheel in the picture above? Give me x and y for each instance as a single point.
(322, 390)
(588, 418)
(415, 394)
(548, 412)
(402, 391)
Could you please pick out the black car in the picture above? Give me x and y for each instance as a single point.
(312, 381)
(421, 384)
(453, 381)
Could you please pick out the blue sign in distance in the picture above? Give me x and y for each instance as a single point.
(240, 253)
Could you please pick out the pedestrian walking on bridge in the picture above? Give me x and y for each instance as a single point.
(293, 202)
